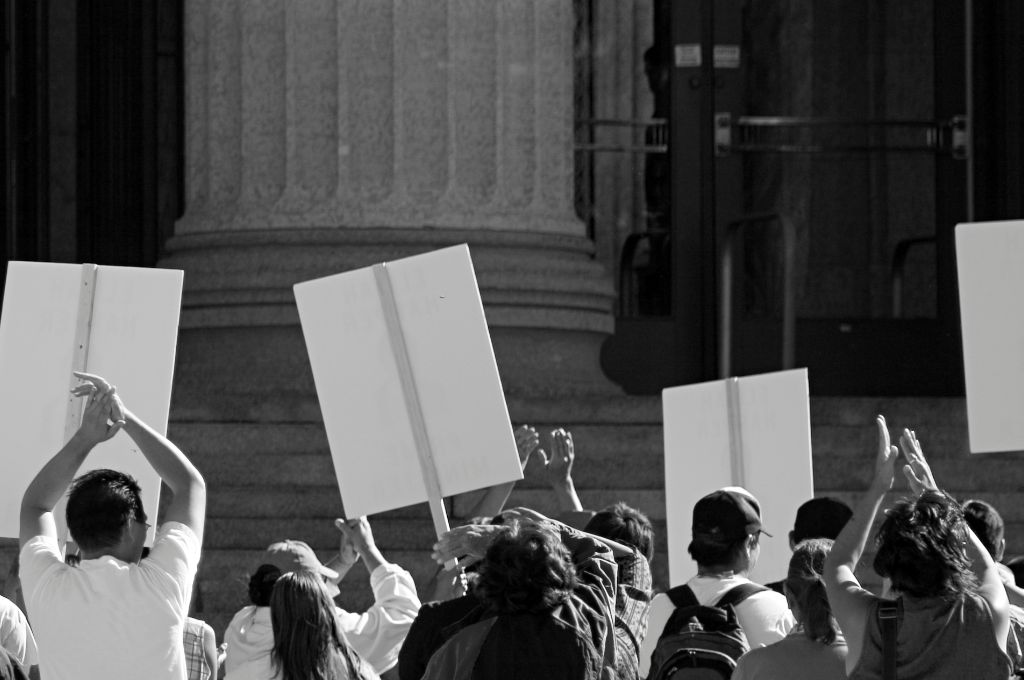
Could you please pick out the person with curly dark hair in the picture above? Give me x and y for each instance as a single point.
(815, 649)
(526, 570)
(546, 595)
(951, 612)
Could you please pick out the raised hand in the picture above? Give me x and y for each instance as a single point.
(917, 471)
(104, 413)
(348, 555)
(558, 466)
(527, 441)
(885, 460)
(356, 533)
(467, 543)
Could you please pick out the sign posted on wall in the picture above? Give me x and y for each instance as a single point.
(752, 432)
(990, 270)
(407, 382)
(117, 322)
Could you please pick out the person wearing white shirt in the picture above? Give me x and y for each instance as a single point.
(376, 635)
(112, 616)
(725, 545)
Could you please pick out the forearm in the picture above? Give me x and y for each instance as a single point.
(490, 503)
(372, 558)
(175, 470)
(982, 564)
(849, 545)
(566, 497)
(52, 481)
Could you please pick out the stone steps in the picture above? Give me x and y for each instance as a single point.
(275, 480)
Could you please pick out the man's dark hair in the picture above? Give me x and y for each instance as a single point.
(921, 547)
(100, 503)
(626, 525)
(526, 569)
(986, 524)
(707, 552)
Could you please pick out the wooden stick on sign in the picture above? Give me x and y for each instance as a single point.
(732, 391)
(79, 362)
(412, 402)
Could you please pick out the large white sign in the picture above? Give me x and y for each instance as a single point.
(117, 322)
(752, 432)
(407, 381)
(990, 269)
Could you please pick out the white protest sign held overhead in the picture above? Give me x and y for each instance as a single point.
(752, 432)
(990, 271)
(407, 382)
(117, 322)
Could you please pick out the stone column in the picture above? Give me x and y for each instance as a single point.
(324, 135)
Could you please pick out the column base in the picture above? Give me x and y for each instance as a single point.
(241, 352)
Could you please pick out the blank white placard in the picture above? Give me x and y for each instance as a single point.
(132, 343)
(774, 427)
(990, 270)
(360, 390)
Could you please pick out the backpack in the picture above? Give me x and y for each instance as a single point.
(701, 641)
(1015, 640)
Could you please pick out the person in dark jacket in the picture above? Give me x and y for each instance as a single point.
(546, 596)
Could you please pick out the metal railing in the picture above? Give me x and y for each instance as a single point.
(732, 233)
(796, 134)
(657, 126)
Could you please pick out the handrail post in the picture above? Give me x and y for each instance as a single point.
(725, 305)
(725, 323)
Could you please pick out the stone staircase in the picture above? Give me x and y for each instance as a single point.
(274, 481)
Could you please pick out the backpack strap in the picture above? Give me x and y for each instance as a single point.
(738, 594)
(682, 596)
(888, 618)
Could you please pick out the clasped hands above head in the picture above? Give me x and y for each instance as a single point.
(104, 413)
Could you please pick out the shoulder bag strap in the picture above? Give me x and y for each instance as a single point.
(682, 596)
(888, 617)
(739, 593)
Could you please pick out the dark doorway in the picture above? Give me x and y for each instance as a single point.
(93, 123)
(848, 122)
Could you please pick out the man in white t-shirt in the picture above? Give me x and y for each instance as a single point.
(15, 635)
(112, 616)
(725, 545)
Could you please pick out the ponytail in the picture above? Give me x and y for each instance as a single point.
(808, 590)
(815, 611)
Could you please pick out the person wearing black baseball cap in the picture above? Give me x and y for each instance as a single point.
(726, 544)
(817, 518)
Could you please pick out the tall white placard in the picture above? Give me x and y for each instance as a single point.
(990, 270)
(752, 432)
(404, 369)
(124, 329)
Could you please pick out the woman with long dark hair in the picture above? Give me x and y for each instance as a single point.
(308, 644)
(815, 649)
(950, 617)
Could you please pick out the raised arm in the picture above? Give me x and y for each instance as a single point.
(188, 503)
(990, 585)
(358, 534)
(99, 423)
(558, 471)
(850, 602)
(490, 501)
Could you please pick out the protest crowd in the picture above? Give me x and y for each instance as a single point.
(517, 594)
